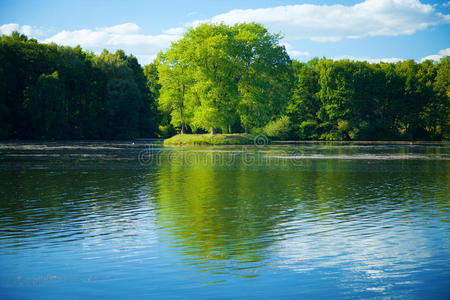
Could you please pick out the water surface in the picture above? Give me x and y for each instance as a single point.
(134, 220)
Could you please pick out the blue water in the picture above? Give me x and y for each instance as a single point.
(132, 220)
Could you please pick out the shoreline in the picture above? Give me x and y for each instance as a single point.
(273, 142)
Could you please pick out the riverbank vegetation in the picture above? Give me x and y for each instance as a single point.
(218, 79)
(208, 139)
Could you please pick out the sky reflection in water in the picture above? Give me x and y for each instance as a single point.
(342, 221)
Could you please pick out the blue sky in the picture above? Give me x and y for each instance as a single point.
(372, 30)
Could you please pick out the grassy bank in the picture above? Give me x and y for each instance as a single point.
(208, 139)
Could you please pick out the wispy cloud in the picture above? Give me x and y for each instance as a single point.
(438, 56)
(370, 60)
(337, 22)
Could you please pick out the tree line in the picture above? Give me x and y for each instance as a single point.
(347, 100)
(55, 92)
(217, 78)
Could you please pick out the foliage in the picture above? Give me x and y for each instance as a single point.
(208, 139)
(55, 92)
(279, 128)
(219, 78)
(222, 77)
(348, 100)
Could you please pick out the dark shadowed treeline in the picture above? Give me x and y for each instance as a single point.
(55, 92)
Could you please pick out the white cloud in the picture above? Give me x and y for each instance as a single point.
(304, 21)
(127, 37)
(370, 60)
(337, 22)
(31, 31)
(176, 31)
(445, 52)
(124, 36)
(84, 37)
(292, 52)
(9, 28)
(121, 29)
(25, 29)
(437, 57)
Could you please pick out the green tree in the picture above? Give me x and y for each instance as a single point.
(263, 75)
(213, 92)
(412, 101)
(336, 96)
(48, 102)
(304, 104)
(438, 112)
(128, 109)
(218, 76)
(175, 78)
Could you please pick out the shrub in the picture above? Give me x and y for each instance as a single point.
(166, 131)
(279, 128)
(308, 130)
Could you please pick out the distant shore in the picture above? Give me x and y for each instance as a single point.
(225, 139)
(217, 139)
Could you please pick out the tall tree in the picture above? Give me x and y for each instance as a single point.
(213, 93)
(263, 75)
(175, 78)
(304, 103)
(48, 102)
(219, 75)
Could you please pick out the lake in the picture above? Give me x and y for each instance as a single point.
(307, 220)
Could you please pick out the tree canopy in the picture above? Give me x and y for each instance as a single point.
(224, 77)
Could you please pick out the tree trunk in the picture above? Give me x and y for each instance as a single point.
(183, 129)
(213, 131)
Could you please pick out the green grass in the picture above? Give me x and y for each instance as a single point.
(208, 139)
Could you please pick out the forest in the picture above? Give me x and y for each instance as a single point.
(217, 78)
(56, 92)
